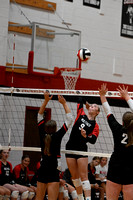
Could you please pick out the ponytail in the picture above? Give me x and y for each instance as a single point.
(130, 134)
(47, 142)
(50, 128)
(128, 124)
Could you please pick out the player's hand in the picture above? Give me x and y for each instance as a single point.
(102, 178)
(103, 90)
(62, 182)
(123, 91)
(83, 133)
(96, 186)
(61, 99)
(87, 105)
(47, 96)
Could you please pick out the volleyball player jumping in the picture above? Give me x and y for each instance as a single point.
(120, 171)
(85, 129)
(50, 138)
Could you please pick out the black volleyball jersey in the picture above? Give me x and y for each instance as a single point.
(121, 155)
(91, 174)
(20, 175)
(76, 140)
(6, 173)
(51, 161)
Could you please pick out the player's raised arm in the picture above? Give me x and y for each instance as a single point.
(123, 92)
(102, 92)
(69, 117)
(47, 97)
(62, 100)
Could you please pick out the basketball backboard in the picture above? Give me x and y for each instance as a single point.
(53, 46)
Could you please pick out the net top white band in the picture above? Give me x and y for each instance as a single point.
(58, 91)
(17, 148)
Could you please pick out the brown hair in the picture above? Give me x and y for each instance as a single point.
(96, 158)
(98, 109)
(25, 156)
(1, 153)
(128, 124)
(50, 128)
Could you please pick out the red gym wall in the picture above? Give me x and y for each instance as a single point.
(46, 81)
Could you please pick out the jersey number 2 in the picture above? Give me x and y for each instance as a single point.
(123, 141)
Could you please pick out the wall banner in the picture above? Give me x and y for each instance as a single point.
(92, 3)
(127, 19)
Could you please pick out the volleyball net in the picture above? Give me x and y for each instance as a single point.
(18, 123)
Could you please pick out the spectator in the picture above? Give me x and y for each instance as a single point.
(67, 177)
(101, 173)
(63, 192)
(21, 172)
(69, 188)
(91, 176)
(4, 193)
(35, 177)
(67, 191)
(6, 178)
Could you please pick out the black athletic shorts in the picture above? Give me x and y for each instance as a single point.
(48, 175)
(74, 156)
(120, 174)
(81, 147)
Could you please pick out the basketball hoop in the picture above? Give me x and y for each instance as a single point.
(70, 76)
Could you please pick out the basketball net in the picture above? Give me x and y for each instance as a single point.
(70, 77)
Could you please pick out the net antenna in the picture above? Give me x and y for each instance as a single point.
(70, 77)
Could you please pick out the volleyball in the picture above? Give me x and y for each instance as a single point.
(84, 54)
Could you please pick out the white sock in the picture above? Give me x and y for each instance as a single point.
(80, 197)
